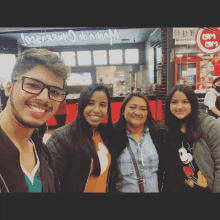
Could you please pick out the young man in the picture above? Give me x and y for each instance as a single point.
(35, 92)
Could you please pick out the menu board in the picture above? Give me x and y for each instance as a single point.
(131, 56)
(84, 58)
(100, 57)
(79, 78)
(69, 58)
(115, 57)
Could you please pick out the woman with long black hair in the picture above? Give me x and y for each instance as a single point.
(82, 149)
(191, 153)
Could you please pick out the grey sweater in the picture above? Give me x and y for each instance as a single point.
(207, 152)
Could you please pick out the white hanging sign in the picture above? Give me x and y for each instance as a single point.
(69, 37)
(184, 33)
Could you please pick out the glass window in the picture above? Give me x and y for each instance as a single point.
(84, 58)
(159, 55)
(100, 57)
(159, 64)
(151, 65)
(131, 56)
(115, 57)
(69, 58)
(7, 62)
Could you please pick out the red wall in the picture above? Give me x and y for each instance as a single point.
(115, 109)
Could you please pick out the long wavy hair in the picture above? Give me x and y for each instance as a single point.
(82, 131)
(193, 124)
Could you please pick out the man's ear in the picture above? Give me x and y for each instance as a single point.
(8, 89)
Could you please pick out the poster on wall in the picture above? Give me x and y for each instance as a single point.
(191, 79)
(84, 78)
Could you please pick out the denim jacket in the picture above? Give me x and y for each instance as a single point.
(147, 162)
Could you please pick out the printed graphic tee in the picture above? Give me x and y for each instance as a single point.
(195, 180)
(98, 184)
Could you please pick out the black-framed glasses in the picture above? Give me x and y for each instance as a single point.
(34, 86)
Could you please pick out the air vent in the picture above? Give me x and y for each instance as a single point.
(125, 39)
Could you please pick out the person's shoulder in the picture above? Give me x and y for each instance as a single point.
(63, 132)
(207, 121)
(205, 117)
(211, 92)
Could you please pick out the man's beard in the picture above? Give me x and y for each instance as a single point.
(18, 117)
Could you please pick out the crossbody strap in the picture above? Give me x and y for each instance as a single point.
(140, 179)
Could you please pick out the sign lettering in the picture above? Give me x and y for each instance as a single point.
(208, 41)
(184, 33)
(208, 36)
(29, 39)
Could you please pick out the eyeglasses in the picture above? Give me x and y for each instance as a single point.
(34, 86)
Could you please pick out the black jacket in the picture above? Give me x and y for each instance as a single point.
(63, 153)
(12, 178)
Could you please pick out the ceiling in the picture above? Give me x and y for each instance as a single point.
(127, 35)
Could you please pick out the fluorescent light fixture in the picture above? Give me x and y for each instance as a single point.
(184, 42)
(179, 55)
(192, 42)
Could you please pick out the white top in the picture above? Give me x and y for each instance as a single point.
(210, 98)
(33, 172)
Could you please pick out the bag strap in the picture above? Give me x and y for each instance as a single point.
(140, 179)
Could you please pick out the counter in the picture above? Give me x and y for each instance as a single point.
(116, 102)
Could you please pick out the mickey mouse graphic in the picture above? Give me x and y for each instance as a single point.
(187, 158)
(189, 169)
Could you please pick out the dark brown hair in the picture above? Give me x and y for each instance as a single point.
(121, 123)
(82, 131)
(215, 80)
(33, 57)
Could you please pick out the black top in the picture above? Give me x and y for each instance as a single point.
(181, 171)
(67, 161)
(11, 173)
